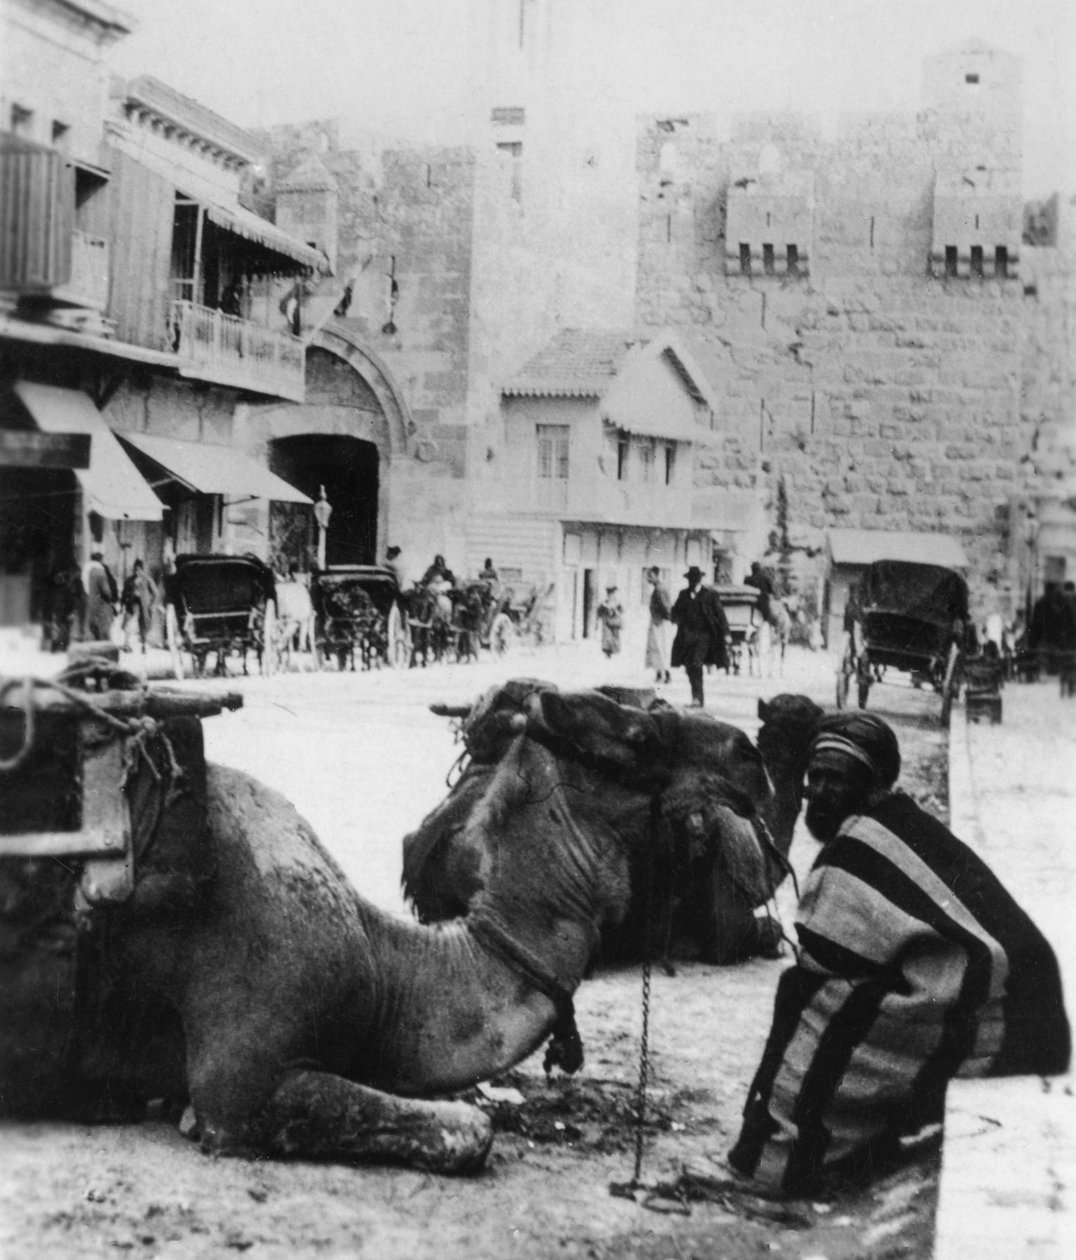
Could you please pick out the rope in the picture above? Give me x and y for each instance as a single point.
(7, 764)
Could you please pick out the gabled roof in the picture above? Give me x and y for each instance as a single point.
(584, 363)
(577, 363)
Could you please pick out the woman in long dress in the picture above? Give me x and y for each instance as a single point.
(611, 616)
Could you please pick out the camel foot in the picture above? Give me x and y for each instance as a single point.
(316, 1115)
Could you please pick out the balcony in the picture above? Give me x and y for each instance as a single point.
(212, 346)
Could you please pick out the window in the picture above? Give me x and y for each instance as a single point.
(670, 463)
(793, 254)
(553, 452)
(514, 150)
(971, 79)
(22, 121)
(950, 260)
(1001, 262)
(767, 259)
(61, 133)
(977, 260)
(622, 445)
(745, 259)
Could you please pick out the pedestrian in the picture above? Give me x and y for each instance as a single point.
(914, 965)
(702, 632)
(489, 573)
(657, 634)
(763, 583)
(102, 598)
(139, 598)
(438, 574)
(611, 616)
(65, 610)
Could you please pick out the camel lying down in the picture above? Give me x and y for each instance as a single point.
(696, 881)
(296, 1019)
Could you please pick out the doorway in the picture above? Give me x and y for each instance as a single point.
(590, 584)
(349, 469)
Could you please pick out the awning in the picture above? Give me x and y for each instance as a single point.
(254, 228)
(112, 485)
(209, 469)
(864, 546)
(663, 427)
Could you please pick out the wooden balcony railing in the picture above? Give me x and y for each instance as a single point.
(216, 347)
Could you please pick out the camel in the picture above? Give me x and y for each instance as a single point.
(247, 977)
(694, 891)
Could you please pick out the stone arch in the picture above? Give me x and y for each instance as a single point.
(354, 412)
(342, 343)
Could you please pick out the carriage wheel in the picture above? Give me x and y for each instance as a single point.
(267, 647)
(951, 684)
(398, 650)
(175, 645)
(502, 634)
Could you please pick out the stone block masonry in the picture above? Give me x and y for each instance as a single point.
(886, 388)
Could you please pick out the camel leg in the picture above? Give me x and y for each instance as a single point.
(315, 1115)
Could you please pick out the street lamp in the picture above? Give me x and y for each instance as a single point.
(1031, 533)
(322, 511)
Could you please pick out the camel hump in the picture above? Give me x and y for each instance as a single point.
(245, 813)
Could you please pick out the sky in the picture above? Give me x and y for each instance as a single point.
(402, 67)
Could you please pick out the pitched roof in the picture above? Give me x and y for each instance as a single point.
(577, 363)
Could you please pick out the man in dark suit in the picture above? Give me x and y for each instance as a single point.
(702, 632)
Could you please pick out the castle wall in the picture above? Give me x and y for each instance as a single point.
(883, 367)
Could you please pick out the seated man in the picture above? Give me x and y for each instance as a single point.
(914, 965)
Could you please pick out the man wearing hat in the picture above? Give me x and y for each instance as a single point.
(914, 965)
(702, 632)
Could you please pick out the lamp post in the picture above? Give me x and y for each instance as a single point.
(322, 511)
(1031, 532)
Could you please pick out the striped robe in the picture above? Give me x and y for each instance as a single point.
(915, 965)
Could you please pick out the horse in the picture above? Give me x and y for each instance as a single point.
(694, 889)
(245, 977)
(429, 614)
(294, 629)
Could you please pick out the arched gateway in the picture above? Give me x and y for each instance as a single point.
(344, 437)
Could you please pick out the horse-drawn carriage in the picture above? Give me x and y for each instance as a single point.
(742, 612)
(224, 605)
(357, 617)
(912, 618)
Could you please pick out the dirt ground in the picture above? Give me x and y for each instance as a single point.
(74, 1191)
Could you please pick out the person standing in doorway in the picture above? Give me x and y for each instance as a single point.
(611, 615)
(101, 598)
(702, 632)
(139, 597)
(657, 634)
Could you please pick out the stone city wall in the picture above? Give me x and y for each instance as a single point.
(884, 394)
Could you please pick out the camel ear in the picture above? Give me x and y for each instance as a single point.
(763, 710)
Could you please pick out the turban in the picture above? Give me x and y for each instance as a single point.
(864, 739)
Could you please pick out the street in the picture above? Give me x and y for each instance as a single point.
(363, 758)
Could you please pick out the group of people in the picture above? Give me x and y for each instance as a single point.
(702, 636)
(85, 604)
